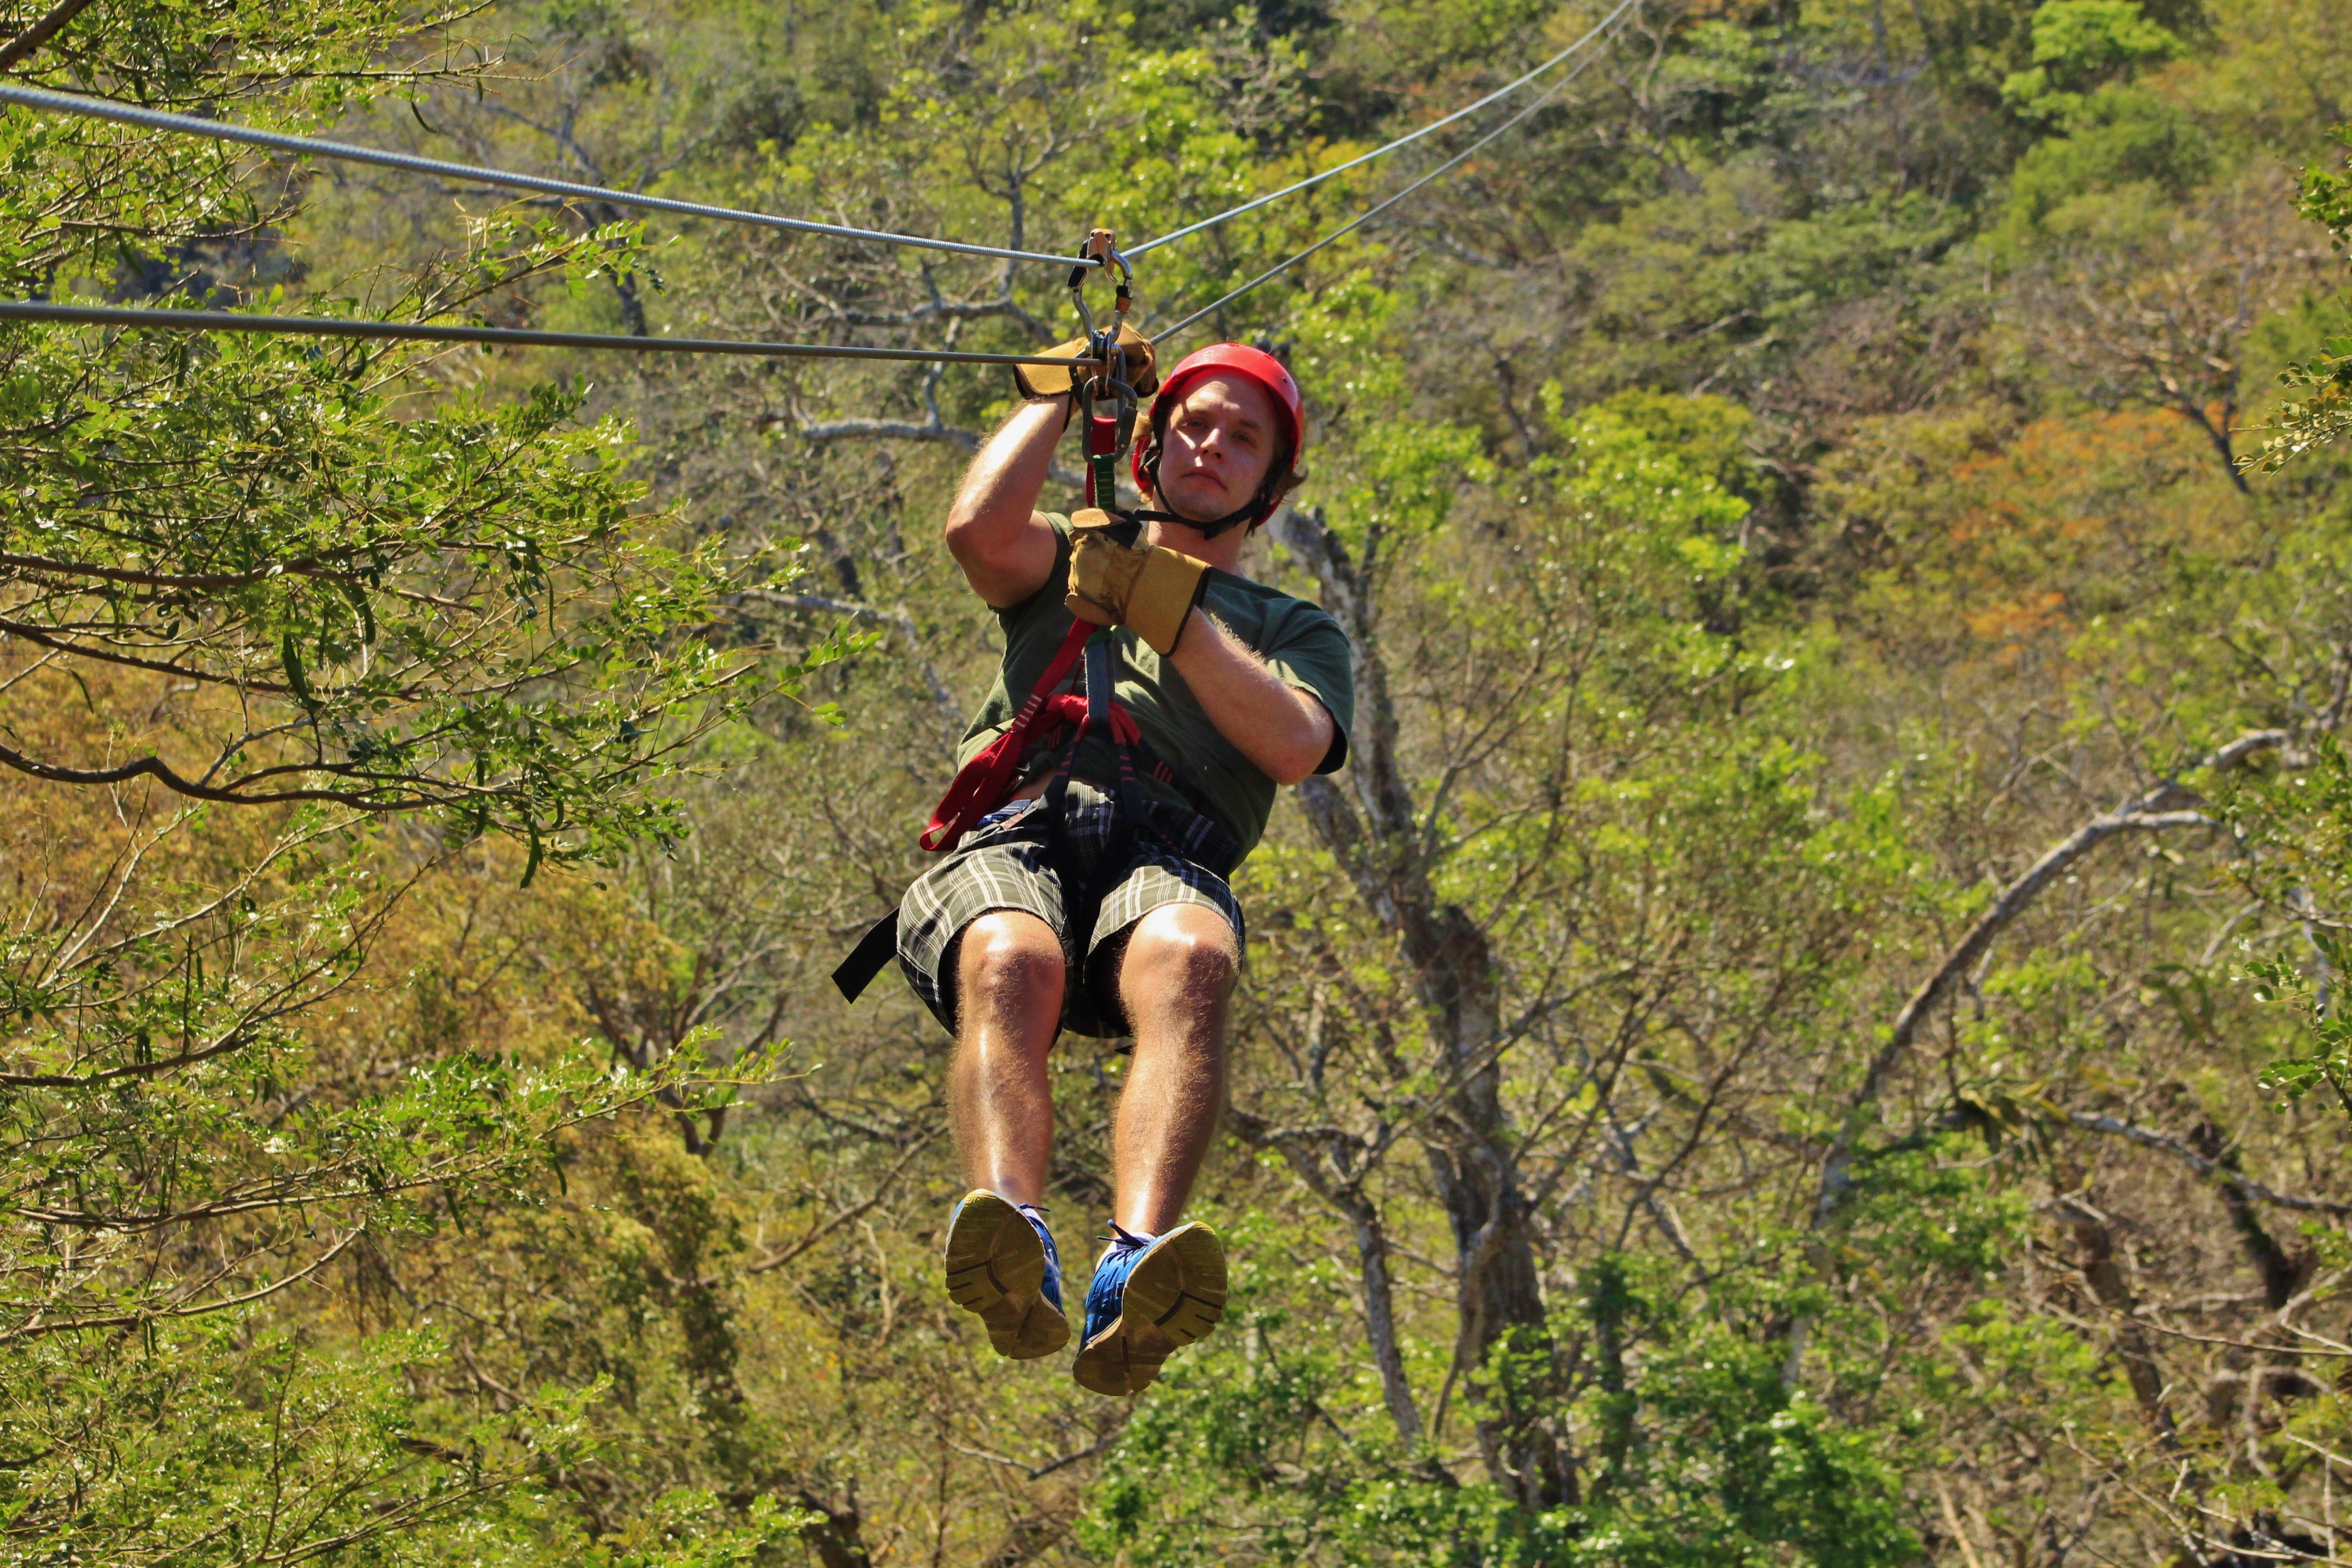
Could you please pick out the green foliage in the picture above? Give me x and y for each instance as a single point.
(2121, 142)
(2081, 45)
(2299, 827)
(2322, 414)
(332, 1449)
(457, 614)
(1698, 1453)
(2329, 1058)
(284, 625)
(2325, 198)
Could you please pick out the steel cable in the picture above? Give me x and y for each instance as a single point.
(1433, 126)
(1363, 218)
(311, 147)
(421, 332)
(513, 337)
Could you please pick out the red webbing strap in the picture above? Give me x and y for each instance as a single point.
(1005, 756)
(1102, 470)
(1069, 708)
(982, 784)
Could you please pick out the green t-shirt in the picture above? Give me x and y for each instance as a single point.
(1299, 642)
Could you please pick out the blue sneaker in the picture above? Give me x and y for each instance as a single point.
(1152, 1296)
(1002, 1264)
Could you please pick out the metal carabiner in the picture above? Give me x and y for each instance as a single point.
(1107, 356)
(1100, 247)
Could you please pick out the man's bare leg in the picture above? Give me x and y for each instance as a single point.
(1175, 982)
(1162, 1284)
(1009, 978)
(1000, 1261)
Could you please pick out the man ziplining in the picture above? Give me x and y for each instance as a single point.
(1090, 835)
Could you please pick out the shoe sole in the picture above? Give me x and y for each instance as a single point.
(1176, 1295)
(996, 1267)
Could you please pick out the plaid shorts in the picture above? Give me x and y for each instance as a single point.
(1005, 863)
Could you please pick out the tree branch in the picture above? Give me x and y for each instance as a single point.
(1313, 1153)
(859, 1211)
(308, 566)
(888, 429)
(2150, 1139)
(127, 1320)
(23, 45)
(2157, 809)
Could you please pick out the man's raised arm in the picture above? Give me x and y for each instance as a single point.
(1003, 544)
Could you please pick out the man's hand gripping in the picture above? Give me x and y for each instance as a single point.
(1116, 581)
(1037, 383)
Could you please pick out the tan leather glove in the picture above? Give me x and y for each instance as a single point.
(1041, 380)
(1144, 587)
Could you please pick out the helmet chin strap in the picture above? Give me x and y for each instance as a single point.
(1256, 510)
(1205, 529)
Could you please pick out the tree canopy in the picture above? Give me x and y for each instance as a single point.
(1807, 1032)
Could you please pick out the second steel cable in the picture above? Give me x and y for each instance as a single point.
(1363, 218)
(1405, 141)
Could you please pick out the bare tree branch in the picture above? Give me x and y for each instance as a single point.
(2157, 809)
(182, 1310)
(2150, 1139)
(23, 45)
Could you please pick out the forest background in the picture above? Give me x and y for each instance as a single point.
(1802, 1035)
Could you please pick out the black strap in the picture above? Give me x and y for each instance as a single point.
(1082, 897)
(875, 949)
(1205, 529)
(1261, 505)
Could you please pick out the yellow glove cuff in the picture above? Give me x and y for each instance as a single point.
(1160, 604)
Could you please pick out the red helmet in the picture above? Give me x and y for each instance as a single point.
(1229, 359)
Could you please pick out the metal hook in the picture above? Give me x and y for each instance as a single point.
(1108, 356)
(1100, 247)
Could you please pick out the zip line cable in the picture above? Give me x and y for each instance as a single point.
(308, 146)
(1434, 125)
(1358, 222)
(425, 332)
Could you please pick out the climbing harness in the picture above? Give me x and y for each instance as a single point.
(1044, 720)
(982, 785)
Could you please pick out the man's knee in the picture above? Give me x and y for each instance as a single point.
(1183, 945)
(1009, 957)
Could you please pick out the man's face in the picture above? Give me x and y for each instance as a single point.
(1220, 442)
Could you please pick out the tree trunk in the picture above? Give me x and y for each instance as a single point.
(834, 1535)
(1380, 1316)
(1377, 838)
(2102, 1272)
(1334, 1164)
